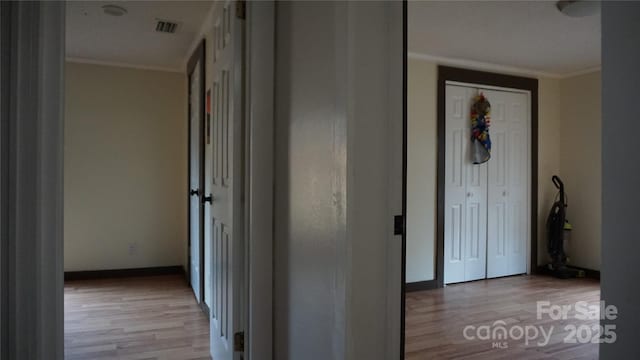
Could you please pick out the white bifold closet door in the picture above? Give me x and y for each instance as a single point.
(465, 231)
(508, 206)
(486, 206)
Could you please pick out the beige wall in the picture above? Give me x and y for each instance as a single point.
(581, 165)
(421, 169)
(562, 105)
(125, 168)
(549, 119)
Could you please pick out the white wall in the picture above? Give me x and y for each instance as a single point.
(125, 168)
(581, 165)
(333, 226)
(374, 178)
(565, 106)
(310, 209)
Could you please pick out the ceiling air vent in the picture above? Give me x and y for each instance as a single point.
(165, 26)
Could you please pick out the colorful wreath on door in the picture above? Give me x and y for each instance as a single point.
(480, 122)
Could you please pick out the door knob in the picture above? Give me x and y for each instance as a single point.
(208, 198)
(194, 192)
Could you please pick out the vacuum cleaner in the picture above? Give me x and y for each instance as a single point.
(558, 229)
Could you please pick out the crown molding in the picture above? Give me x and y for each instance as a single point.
(123, 65)
(479, 65)
(582, 72)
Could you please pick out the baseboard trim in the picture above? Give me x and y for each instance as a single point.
(120, 273)
(421, 285)
(205, 309)
(588, 273)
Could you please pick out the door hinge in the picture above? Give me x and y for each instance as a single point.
(398, 225)
(241, 9)
(238, 341)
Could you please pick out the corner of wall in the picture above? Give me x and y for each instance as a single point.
(581, 164)
(549, 133)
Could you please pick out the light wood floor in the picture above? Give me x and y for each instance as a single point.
(154, 317)
(435, 319)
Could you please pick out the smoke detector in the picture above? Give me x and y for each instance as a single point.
(114, 10)
(578, 8)
(165, 26)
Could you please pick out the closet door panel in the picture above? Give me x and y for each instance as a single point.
(456, 143)
(508, 203)
(519, 161)
(497, 203)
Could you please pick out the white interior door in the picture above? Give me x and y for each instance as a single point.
(227, 314)
(194, 179)
(455, 185)
(508, 192)
(465, 194)
(208, 199)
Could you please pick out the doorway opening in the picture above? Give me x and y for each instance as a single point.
(197, 117)
(134, 267)
(128, 140)
(486, 207)
(476, 240)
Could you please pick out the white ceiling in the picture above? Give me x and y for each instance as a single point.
(131, 39)
(526, 35)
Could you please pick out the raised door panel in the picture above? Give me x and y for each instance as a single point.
(217, 133)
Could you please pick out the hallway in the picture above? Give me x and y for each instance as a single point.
(154, 317)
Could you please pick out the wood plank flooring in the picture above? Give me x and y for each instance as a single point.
(435, 319)
(153, 317)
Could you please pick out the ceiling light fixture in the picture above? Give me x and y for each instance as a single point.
(578, 8)
(114, 10)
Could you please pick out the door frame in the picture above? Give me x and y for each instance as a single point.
(197, 55)
(258, 63)
(31, 180)
(453, 74)
(259, 112)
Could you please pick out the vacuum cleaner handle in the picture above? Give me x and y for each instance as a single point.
(557, 182)
(560, 185)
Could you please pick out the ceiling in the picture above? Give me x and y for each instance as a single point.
(528, 35)
(131, 39)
